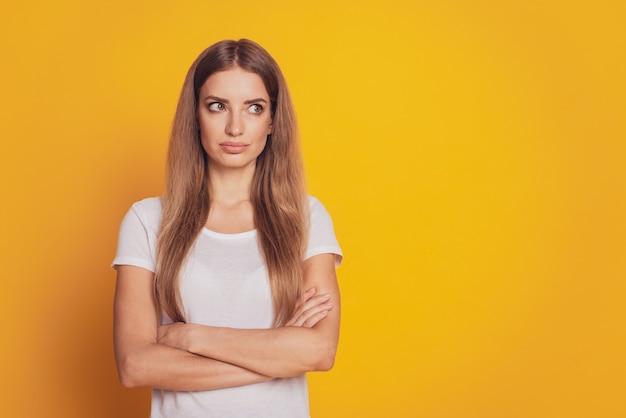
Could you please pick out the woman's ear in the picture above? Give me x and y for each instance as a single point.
(270, 127)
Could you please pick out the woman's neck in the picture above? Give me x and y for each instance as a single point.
(229, 187)
(230, 210)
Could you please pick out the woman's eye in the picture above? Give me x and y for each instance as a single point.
(216, 107)
(256, 108)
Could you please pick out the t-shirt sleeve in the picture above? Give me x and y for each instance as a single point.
(136, 244)
(322, 239)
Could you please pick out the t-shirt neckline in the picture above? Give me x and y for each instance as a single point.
(221, 235)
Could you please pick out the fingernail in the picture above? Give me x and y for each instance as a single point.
(326, 295)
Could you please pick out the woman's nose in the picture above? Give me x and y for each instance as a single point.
(234, 127)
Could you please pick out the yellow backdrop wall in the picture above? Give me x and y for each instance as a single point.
(472, 154)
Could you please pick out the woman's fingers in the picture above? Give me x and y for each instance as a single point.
(313, 316)
(312, 310)
(293, 320)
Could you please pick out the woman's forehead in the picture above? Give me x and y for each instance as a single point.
(234, 83)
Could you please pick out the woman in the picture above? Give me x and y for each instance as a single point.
(226, 292)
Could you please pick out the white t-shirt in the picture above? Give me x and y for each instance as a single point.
(224, 283)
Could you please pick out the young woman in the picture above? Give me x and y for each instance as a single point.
(226, 291)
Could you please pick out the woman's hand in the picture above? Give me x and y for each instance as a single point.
(312, 310)
(175, 335)
(308, 313)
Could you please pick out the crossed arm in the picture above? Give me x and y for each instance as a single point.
(191, 357)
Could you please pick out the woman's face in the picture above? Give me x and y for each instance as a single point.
(234, 116)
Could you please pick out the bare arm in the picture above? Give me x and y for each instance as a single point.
(141, 361)
(278, 352)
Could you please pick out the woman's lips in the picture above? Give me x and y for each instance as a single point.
(233, 147)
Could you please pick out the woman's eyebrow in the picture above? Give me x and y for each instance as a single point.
(260, 99)
(216, 98)
(223, 100)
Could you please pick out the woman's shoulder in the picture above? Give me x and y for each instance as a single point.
(318, 211)
(149, 204)
(148, 210)
(314, 203)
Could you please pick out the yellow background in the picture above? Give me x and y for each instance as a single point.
(471, 153)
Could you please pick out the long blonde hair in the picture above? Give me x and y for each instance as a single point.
(277, 193)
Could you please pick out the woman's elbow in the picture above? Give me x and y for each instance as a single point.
(129, 371)
(325, 358)
(325, 364)
(128, 380)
